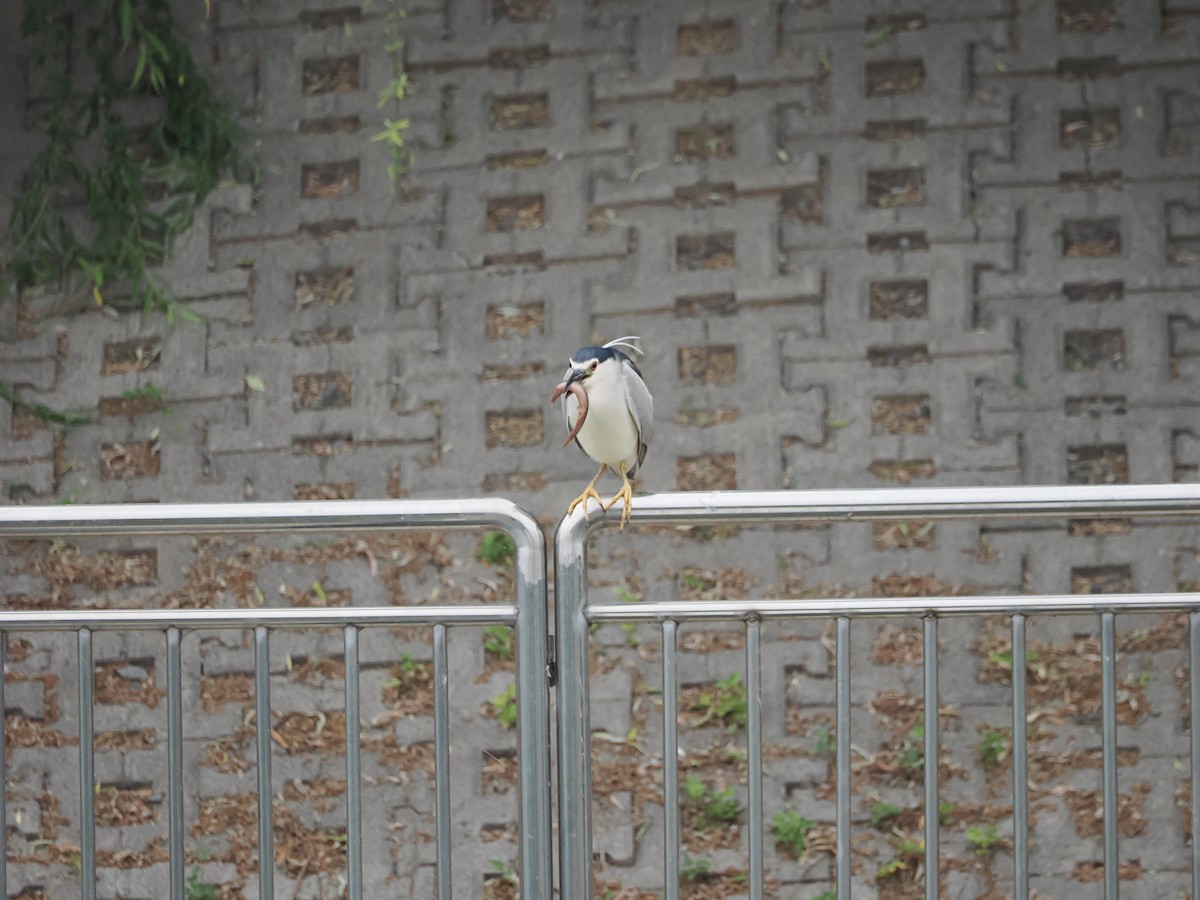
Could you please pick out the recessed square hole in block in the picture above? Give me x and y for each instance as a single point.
(1116, 579)
(891, 78)
(703, 143)
(904, 299)
(320, 390)
(518, 111)
(514, 428)
(889, 189)
(1087, 16)
(1091, 350)
(134, 355)
(329, 75)
(1098, 464)
(715, 364)
(705, 251)
(1091, 238)
(329, 179)
(324, 287)
(523, 213)
(1089, 127)
(517, 320)
(709, 472)
(522, 10)
(709, 38)
(900, 414)
(1094, 291)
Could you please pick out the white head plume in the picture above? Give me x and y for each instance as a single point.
(624, 342)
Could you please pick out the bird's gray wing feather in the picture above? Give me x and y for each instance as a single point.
(641, 407)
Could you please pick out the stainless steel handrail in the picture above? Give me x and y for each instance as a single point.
(574, 614)
(527, 615)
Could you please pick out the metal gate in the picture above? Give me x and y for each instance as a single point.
(527, 616)
(574, 616)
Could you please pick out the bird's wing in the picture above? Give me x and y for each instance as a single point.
(641, 407)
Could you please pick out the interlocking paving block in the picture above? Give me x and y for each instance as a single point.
(864, 246)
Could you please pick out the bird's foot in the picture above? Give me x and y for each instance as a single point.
(589, 491)
(626, 494)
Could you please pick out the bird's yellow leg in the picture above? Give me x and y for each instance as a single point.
(626, 493)
(589, 491)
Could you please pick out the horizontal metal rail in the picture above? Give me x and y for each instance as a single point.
(527, 616)
(891, 607)
(1090, 502)
(575, 615)
(307, 617)
(270, 518)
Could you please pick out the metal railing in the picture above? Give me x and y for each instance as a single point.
(527, 616)
(574, 614)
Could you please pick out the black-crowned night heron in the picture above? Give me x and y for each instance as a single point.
(609, 413)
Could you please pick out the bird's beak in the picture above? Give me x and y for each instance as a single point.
(576, 375)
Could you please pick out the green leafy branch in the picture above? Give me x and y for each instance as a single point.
(393, 95)
(139, 187)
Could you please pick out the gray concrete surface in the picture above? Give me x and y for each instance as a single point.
(866, 244)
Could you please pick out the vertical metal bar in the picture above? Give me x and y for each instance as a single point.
(1108, 676)
(931, 759)
(1020, 753)
(843, 758)
(571, 702)
(354, 873)
(533, 708)
(262, 732)
(441, 755)
(175, 760)
(87, 769)
(670, 689)
(754, 741)
(1194, 700)
(4, 780)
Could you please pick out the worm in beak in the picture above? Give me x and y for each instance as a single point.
(576, 389)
